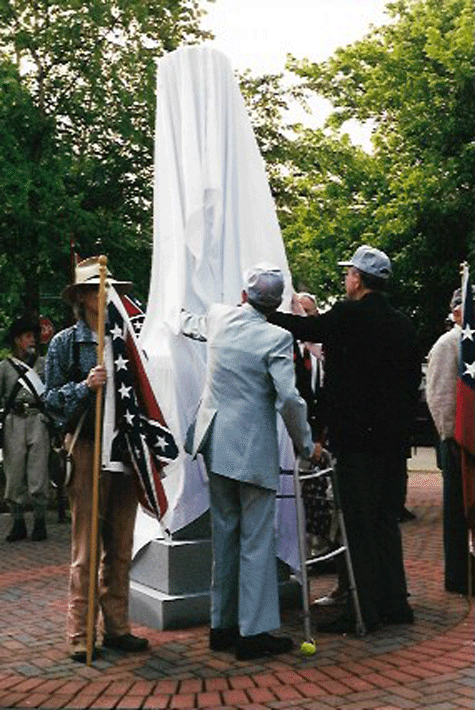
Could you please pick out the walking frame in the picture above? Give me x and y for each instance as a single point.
(299, 476)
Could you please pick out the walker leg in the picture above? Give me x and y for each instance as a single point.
(302, 553)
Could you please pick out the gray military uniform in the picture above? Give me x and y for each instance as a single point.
(26, 441)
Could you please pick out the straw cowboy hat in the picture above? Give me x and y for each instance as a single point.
(87, 274)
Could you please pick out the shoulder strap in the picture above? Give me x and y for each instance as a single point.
(76, 433)
(24, 380)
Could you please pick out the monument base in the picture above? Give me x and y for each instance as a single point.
(170, 581)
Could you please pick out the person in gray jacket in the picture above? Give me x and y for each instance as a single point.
(250, 377)
(441, 394)
(26, 437)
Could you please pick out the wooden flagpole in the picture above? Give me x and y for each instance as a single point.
(91, 608)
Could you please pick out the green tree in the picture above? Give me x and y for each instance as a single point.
(89, 71)
(30, 188)
(267, 102)
(414, 79)
(322, 185)
(333, 186)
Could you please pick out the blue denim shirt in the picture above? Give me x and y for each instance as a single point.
(65, 397)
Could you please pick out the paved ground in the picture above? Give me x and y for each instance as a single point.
(428, 665)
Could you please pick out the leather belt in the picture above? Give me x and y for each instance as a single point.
(23, 409)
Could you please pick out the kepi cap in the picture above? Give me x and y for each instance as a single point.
(264, 285)
(371, 261)
(87, 273)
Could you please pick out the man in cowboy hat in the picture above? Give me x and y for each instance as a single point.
(72, 379)
(25, 434)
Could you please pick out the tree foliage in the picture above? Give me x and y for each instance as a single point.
(414, 79)
(79, 112)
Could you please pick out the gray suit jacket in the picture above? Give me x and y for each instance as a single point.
(250, 375)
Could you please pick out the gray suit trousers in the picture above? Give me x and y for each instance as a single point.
(244, 589)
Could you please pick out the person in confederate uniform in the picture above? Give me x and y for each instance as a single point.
(25, 432)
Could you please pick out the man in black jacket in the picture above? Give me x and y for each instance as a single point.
(372, 373)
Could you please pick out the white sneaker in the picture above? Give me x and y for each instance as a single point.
(335, 598)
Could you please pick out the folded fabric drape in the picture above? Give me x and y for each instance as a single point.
(214, 217)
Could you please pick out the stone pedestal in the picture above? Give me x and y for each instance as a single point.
(170, 581)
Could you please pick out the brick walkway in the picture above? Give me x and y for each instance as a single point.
(428, 665)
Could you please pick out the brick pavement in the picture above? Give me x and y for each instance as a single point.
(428, 665)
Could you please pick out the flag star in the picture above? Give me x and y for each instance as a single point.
(161, 443)
(124, 391)
(121, 363)
(129, 417)
(470, 369)
(467, 332)
(116, 331)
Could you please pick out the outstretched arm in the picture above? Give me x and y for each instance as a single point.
(305, 328)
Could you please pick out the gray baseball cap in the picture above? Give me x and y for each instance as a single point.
(264, 285)
(371, 261)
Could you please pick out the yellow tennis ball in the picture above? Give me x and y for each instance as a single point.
(308, 648)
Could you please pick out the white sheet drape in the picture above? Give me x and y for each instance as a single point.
(214, 217)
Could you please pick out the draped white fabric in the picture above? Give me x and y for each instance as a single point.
(214, 217)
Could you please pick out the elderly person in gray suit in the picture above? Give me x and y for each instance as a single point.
(250, 376)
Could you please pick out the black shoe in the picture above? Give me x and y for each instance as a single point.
(126, 642)
(18, 531)
(405, 615)
(39, 530)
(222, 639)
(260, 645)
(406, 516)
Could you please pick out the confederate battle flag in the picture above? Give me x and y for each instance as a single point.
(141, 428)
(465, 413)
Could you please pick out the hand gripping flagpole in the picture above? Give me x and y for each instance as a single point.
(91, 607)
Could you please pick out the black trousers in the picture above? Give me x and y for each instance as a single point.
(455, 523)
(371, 488)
